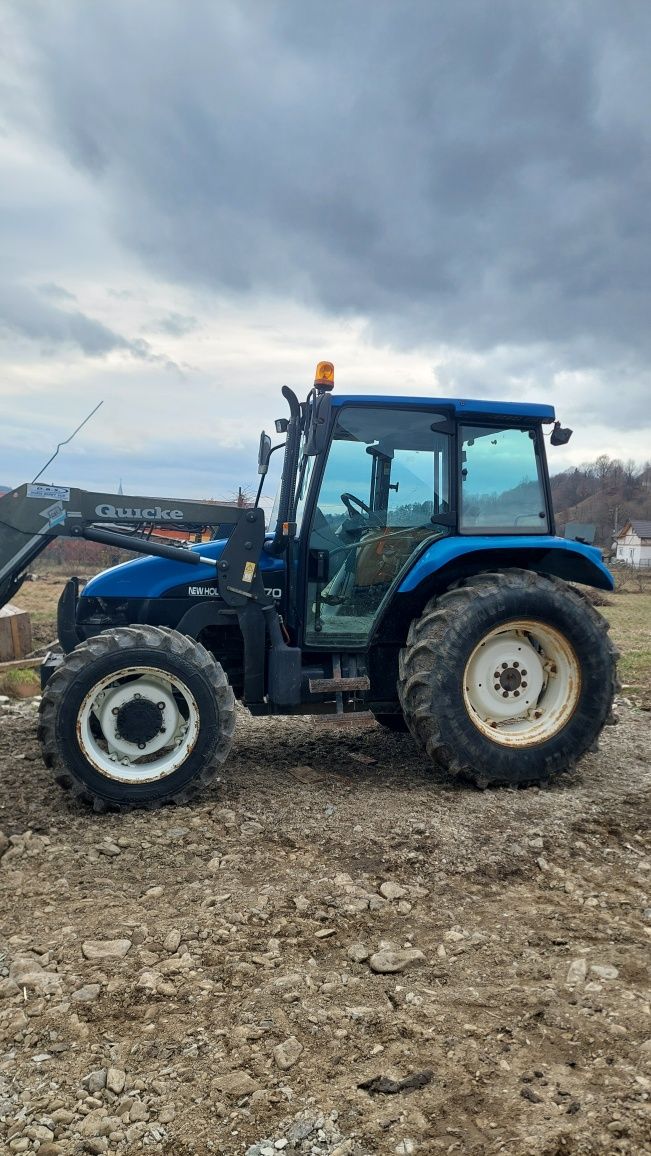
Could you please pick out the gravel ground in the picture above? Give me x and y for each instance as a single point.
(328, 953)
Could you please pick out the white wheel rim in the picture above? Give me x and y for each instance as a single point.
(521, 684)
(155, 752)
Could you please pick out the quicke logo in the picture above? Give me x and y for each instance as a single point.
(152, 514)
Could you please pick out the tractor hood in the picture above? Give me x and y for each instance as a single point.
(154, 577)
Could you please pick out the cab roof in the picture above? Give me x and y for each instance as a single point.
(461, 407)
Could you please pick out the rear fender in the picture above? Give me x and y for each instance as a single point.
(447, 560)
(444, 561)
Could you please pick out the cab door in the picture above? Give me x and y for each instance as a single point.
(384, 490)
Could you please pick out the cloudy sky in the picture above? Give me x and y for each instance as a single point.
(202, 198)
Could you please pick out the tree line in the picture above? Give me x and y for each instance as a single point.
(607, 493)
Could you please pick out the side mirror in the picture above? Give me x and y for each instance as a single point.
(264, 453)
(560, 435)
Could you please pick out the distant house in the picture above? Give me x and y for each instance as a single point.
(634, 543)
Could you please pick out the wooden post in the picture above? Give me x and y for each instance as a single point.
(21, 664)
(15, 633)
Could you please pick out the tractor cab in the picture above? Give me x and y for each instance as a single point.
(395, 479)
(371, 483)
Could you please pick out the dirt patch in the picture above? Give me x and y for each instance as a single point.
(206, 979)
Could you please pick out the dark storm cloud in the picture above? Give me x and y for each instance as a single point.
(174, 325)
(470, 173)
(24, 314)
(56, 292)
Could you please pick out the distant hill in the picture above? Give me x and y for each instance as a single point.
(604, 493)
(4, 489)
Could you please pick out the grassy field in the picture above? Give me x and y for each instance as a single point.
(20, 683)
(629, 614)
(40, 598)
(630, 625)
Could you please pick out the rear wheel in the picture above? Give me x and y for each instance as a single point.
(508, 678)
(137, 716)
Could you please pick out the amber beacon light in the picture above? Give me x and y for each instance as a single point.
(325, 375)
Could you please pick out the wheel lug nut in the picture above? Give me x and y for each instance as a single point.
(516, 663)
(516, 693)
(115, 710)
(505, 694)
(524, 686)
(497, 686)
(160, 705)
(497, 674)
(505, 666)
(524, 674)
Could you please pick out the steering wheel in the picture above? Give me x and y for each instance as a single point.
(351, 500)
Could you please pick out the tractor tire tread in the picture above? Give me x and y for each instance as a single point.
(425, 649)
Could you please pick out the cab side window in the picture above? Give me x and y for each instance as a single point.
(501, 481)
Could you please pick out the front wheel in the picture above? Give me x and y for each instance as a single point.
(136, 716)
(507, 678)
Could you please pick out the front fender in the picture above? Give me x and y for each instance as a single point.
(572, 561)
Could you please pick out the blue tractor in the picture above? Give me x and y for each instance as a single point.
(411, 572)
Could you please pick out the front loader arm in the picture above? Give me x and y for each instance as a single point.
(32, 515)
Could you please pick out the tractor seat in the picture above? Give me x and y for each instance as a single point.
(383, 552)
